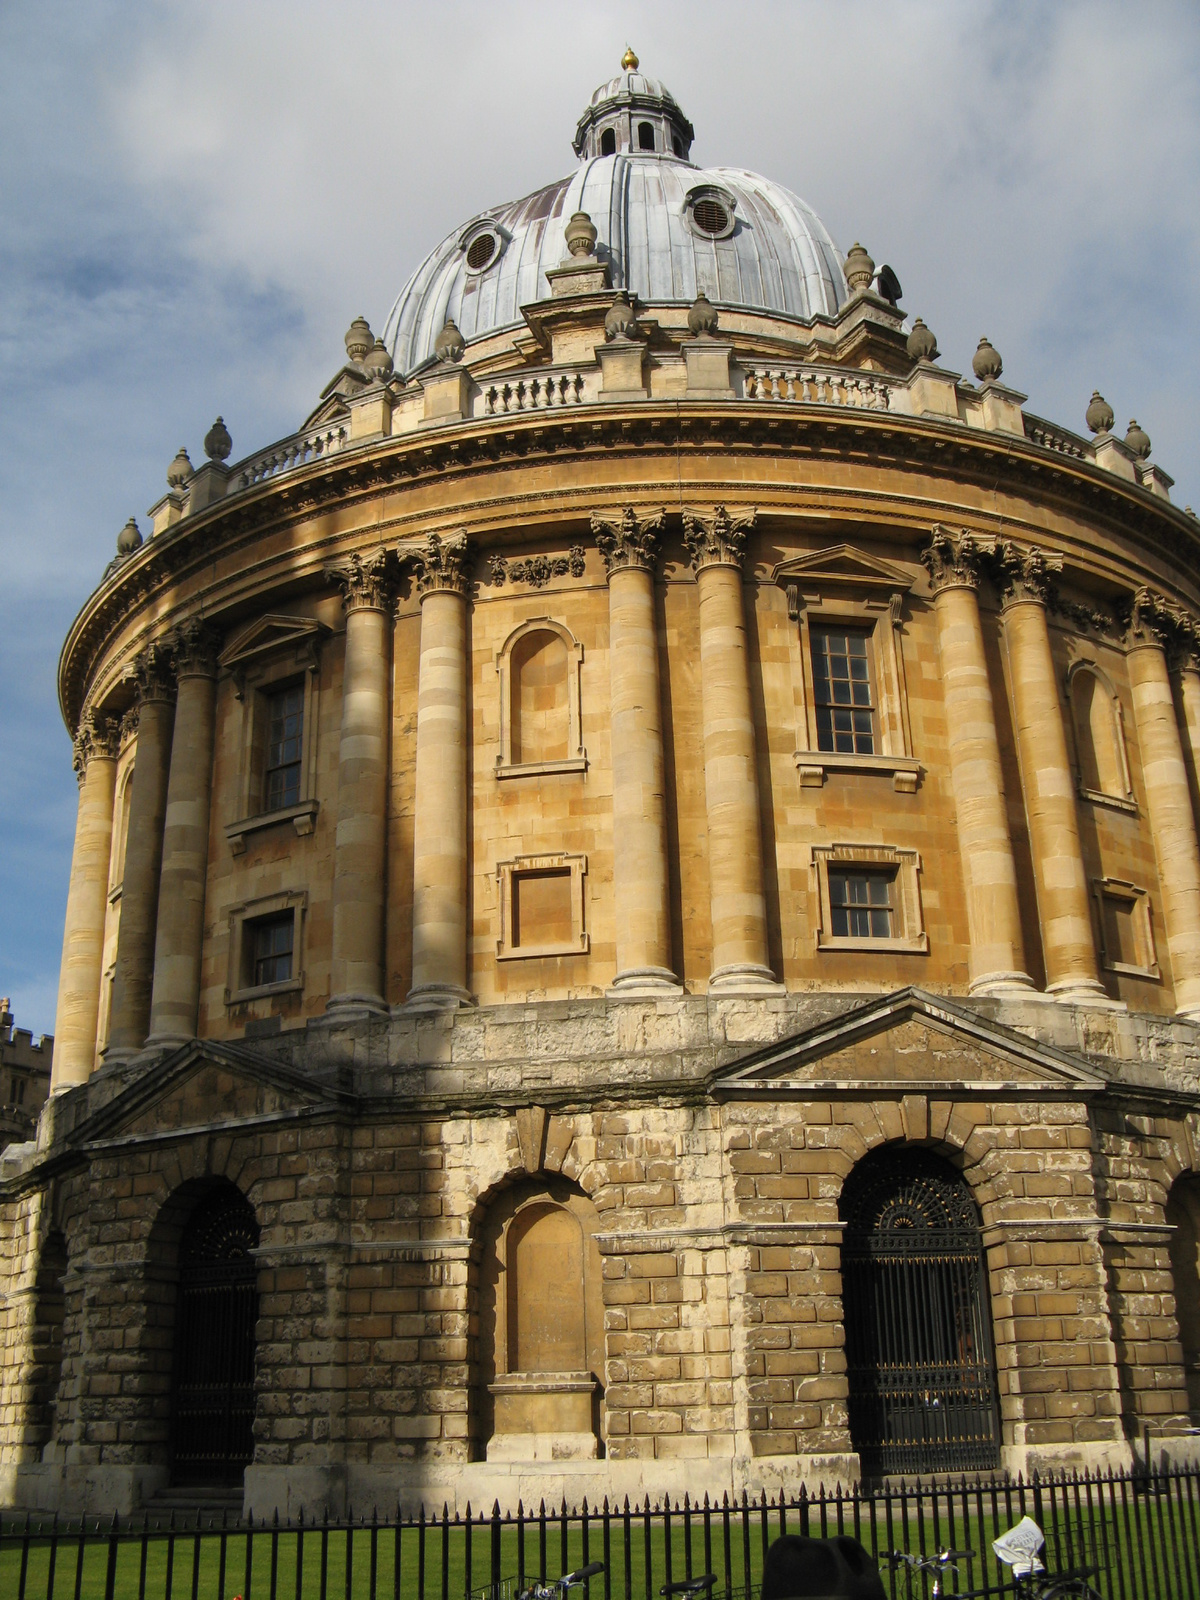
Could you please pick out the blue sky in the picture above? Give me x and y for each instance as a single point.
(196, 199)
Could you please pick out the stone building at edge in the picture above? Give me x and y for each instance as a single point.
(635, 914)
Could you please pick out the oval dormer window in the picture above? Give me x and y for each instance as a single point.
(710, 213)
(481, 251)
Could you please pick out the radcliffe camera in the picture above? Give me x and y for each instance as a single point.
(633, 932)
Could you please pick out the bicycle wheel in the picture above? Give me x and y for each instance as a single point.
(1070, 1589)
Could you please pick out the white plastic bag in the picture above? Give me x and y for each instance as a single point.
(1018, 1548)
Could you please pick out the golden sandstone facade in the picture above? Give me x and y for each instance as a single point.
(583, 852)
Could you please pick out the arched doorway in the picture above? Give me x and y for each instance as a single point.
(212, 1410)
(1183, 1214)
(921, 1368)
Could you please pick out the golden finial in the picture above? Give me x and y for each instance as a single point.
(629, 61)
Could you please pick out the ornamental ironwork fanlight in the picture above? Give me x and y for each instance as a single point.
(212, 1417)
(921, 1366)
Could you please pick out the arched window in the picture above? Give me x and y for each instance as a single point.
(539, 669)
(47, 1352)
(212, 1407)
(541, 1325)
(121, 831)
(1099, 735)
(920, 1365)
(1183, 1214)
(645, 136)
(608, 142)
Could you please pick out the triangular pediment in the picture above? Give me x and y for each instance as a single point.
(909, 1041)
(841, 566)
(204, 1085)
(270, 635)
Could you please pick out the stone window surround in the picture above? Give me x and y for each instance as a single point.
(507, 872)
(240, 918)
(874, 607)
(1100, 797)
(506, 767)
(909, 937)
(1130, 893)
(275, 652)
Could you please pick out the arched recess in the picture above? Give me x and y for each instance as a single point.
(1099, 725)
(540, 1390)
(921, 1365)
(540, 710)
(1183, 1214)
(46, 1341)
(203, 1244)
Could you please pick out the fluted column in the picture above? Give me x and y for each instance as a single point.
(997, 957)
(439, 980)
(1068, 940)
(360, 837)
(1168, 794)
(641, 907)
(80, 975)
(179, 939)
(740, 957)
(129, 1020)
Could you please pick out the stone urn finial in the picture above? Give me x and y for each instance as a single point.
(860, 269)
(1099, 414)
(986, 362)
(129, 539)
(702, 317)
(217, 443)
(180, 470)
(378, 361)
(922, 346)
(358, 338)
(580, 234)
(449, 345)
(621, 321)
(1138, 440)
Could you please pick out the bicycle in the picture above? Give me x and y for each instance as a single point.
(690, 1586)
(1018, 1549)
(558, 1588)
(934, 1566)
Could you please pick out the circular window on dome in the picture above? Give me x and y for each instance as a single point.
(482, 249)
(710, 213)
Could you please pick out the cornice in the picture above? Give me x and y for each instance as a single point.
(469, 449)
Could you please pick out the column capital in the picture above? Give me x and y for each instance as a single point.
(955, 560)
(1154, 621)
(442, 566)
(194, 646)
(1024, 573)
(366, 585)
(719, 540)
(629, 541)
(97, 735)
(153, 674)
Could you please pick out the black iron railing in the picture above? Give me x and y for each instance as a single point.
(1140, 1531)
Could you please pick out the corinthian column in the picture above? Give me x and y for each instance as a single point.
(1168, 795)
(439, 979)
(179, 941)
(740, 958)
(1068, 941)
(129, 1021)
(997, 959)
(360, 838)
(641, 905)
(79, 977)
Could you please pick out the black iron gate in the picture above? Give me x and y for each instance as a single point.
(212, 1423)
(922, 1373)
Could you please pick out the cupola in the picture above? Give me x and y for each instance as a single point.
(633, 114)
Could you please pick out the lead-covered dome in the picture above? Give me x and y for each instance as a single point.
(667, 229)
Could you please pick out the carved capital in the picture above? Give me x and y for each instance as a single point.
(442, 566)
(365, 585)
(194, 646)
(1153, 620)
(97, 736)
(153, 674)
(954, 560)
(1024, 573)
(630, 541)
(716, 541)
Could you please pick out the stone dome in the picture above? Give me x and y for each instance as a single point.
(668, 230)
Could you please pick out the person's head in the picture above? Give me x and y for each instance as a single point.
(797, 1568)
